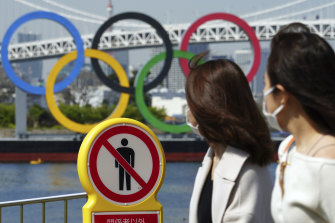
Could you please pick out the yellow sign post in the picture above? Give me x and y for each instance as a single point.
(121, 166)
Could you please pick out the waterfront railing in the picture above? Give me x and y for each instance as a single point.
(43, 201)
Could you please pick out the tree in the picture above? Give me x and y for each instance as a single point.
(7, 115)
(40, 117)
(7, 88)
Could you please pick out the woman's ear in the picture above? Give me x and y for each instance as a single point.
(283, 93)
(191, 118)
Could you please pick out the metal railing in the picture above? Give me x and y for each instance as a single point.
(43, 201)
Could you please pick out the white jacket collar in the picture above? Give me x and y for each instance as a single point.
(231, 163)
(225, 175)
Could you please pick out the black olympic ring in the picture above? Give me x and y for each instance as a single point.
(160, 31)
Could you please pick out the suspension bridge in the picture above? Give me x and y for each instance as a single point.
(128, 35)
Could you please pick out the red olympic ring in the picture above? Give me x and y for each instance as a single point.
(231, 18)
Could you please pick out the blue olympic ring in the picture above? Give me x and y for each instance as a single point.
(42, 15)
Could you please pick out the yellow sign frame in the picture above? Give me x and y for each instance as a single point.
(96, 203)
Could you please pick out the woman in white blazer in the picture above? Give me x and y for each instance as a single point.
(233, 184)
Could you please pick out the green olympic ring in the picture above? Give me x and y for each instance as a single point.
(139, 95)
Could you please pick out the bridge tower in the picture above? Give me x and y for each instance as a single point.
(109, 9)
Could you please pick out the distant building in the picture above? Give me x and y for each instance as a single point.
(175, 80)
(170, 94)
(174, 103)
(94, 97)
(87, 88)
(122, 56)
(244, 59)
(87, 77)
(31, 71)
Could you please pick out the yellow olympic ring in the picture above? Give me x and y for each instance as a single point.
(97, 54)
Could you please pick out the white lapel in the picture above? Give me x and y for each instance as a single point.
(225, 176)
(198, 185)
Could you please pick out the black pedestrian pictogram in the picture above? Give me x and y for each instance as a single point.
(128, 154)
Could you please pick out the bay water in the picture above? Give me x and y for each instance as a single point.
(23, 181)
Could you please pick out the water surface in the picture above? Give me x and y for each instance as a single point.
(22, 181)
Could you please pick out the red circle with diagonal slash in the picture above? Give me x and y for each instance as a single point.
(102, 140)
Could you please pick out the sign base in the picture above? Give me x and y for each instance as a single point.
(129, 217)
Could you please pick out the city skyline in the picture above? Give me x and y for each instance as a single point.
(87, 19)
(139, 57)
(188, 12)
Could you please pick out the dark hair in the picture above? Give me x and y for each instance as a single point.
(304, 64)
(219, 97)
(295, 27)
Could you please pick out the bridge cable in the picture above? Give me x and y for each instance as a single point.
(272, 9)
(68, 8)
(63, 14)
(302, 12)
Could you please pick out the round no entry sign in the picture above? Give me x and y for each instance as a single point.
(125, 162)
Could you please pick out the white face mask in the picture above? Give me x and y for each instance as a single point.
(271, 118)
(195, 129)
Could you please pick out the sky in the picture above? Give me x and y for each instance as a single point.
(178, 11)
(166, 12)
(173, 11)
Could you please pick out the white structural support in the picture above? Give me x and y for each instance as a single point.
(146, 37)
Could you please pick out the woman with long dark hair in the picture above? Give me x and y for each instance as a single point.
(299, 95)
(233, 184)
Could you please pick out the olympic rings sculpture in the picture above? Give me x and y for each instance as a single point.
(124, 87)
